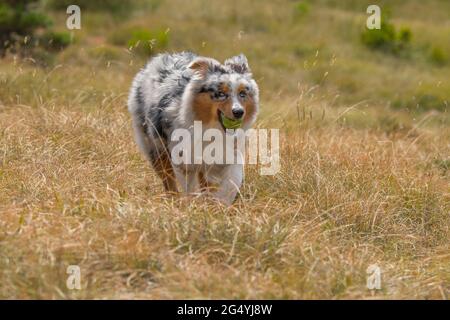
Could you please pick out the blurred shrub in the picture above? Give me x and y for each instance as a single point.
(43, 57)
(107, 5)
(423, 102)
(19, 19)
(405, 35)
(438, 56)
(24, 30)
(301, 9)
(386, 38)
(379, 38)
(140, 40)
(55, 40)
(120, 7)
(431, 102)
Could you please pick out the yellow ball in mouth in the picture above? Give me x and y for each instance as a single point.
(230, 123)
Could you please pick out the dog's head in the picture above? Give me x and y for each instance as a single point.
(224, 94)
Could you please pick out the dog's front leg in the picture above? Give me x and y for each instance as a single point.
(188, 179)
(230, 184)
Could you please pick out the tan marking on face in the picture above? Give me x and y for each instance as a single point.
(227, 105)
(204, 108)
(248, 103)
(242, 87)
(250, 108)
(225, 88)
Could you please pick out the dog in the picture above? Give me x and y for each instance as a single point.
(174, 91)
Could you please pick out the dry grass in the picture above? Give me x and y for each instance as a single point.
(76, 191)
(358, 186)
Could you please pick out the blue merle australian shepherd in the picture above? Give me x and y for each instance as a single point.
(173, 91)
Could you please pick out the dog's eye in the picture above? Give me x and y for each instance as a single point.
(221, 96)
(242, 94)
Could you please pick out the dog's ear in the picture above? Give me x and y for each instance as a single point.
(238, 64)
(202, 66)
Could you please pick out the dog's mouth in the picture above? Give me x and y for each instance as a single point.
(228, 123)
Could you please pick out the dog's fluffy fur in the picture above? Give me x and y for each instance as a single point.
(173, 91)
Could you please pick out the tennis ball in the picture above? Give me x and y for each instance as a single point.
(230, 123)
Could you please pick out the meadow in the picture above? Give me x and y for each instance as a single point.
(364, 147)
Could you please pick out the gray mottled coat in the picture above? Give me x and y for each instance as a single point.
(160, 101)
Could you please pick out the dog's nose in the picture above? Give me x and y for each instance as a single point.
(238, 113)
